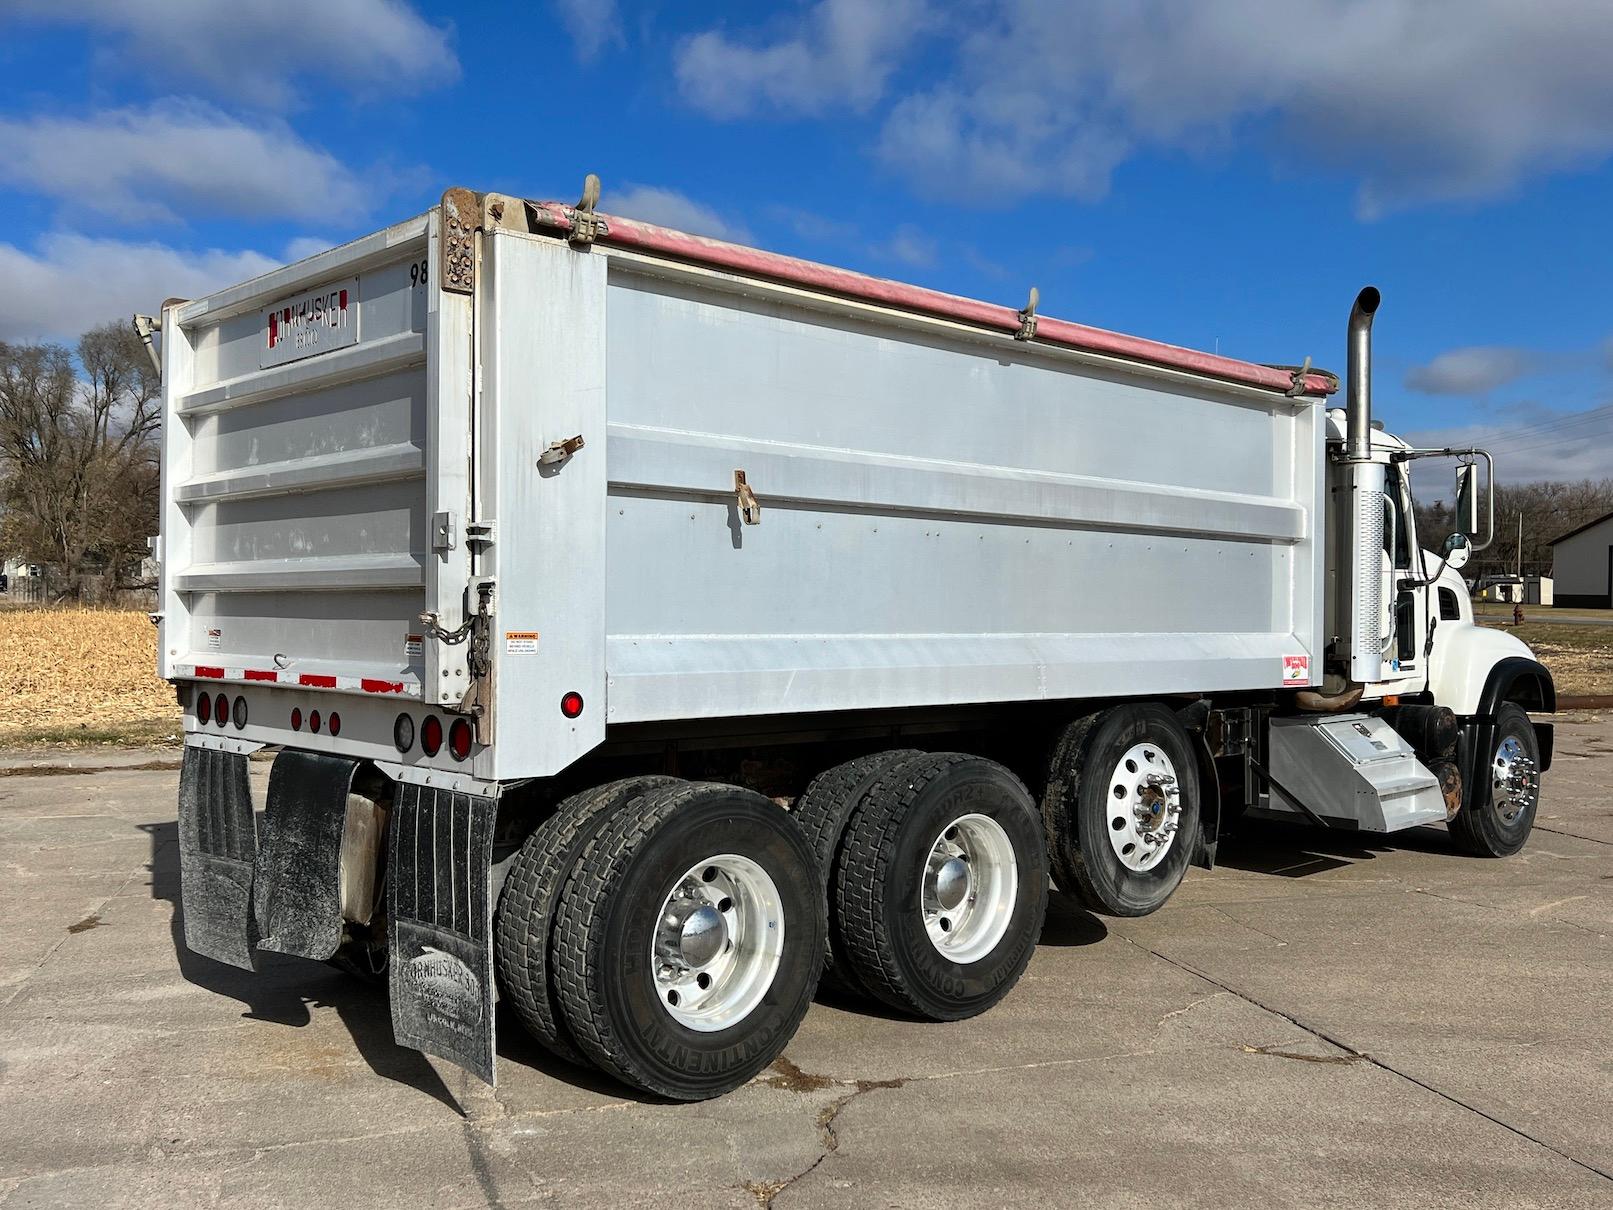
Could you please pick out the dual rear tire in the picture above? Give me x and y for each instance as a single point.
(669, 933)
(936, 879)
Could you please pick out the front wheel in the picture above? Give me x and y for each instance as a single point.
(1497, 819)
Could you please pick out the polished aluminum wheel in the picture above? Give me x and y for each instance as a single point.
(971, 881)
(719, 938)
(1515, 779)
(1145, 807)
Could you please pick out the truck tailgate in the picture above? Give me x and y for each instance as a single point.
(309, 439)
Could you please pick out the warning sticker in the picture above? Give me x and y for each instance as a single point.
(1296, 669)
(520, 642)
(414, 644)
(215, 638)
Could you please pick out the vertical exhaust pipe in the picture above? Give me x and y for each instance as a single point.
(1358, 428)
(1363, 579)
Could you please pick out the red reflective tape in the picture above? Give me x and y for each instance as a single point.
(370, 686)
(317, 680)
(260, 674)
(216, 674)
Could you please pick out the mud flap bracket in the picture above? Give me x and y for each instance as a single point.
(440, 913)
(217, 847)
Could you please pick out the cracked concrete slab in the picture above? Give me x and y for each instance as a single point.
(1326, 1019)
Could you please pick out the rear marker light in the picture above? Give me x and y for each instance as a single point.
(240, 713)
(571, 704)
(459, 739)
(204, 709)
(296, 718)
(221, 710)
(335, 723)
(313, 721)
(431, 735)
(403, 733)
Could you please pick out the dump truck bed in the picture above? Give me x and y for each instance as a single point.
(945, 513)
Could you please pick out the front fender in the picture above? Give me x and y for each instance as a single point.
(1475, 668)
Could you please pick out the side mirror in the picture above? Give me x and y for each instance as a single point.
(1467, 499)
(1457, 551)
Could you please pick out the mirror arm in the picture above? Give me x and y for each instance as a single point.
(1459, 452)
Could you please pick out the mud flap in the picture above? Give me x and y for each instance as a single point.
(296, 889)
(217, 846)
(440, 913)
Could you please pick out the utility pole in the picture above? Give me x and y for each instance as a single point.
(1520, 544)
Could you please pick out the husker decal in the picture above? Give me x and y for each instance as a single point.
(311, 323)
(1296, 669)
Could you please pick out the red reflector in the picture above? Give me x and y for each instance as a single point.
(221, 710)
(313, 721)
(296, 718)
(571, 704)
(204, 708)
(335, 723)
(431, 735)
(459, 739)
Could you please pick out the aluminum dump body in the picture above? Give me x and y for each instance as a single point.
(947, 514)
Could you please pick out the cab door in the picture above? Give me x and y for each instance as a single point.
(1405, 660)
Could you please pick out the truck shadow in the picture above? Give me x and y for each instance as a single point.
(284, 990)
(1298, 850)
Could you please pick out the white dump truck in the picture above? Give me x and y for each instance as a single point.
(648, 626)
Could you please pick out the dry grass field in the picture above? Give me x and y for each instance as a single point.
(82, 676)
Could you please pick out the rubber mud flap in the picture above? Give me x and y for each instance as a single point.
(217, 845)
(296, 888)
(440, 913)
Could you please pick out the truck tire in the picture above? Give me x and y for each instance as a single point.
(941, 885)
(1122, 808)
(523, 926)
(822, 811)
(1501, 813)
(688, 940)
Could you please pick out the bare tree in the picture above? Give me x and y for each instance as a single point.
(1549, 508)
(79, 455)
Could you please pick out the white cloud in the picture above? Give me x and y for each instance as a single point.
(908, 245)
(267, 53)
(592, 24)
(1471, 371)
(69, 283)
(840, 54)
(1552, 445)
(1418, 100)
(175, 159)
(669, 208)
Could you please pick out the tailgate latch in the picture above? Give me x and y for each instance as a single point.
(750, 512)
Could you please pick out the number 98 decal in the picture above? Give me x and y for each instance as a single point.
(417, 273)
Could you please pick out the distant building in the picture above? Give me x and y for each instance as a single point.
(1584, 565)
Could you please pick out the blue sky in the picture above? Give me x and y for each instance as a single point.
(1217, 175)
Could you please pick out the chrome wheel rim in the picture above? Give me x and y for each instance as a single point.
(971, 880)
(1144, 807)
(719, 938)
(1514, 778)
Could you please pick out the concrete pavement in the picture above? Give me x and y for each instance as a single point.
(1324, 1020)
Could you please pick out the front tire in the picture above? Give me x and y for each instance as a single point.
(688, 940)
(1122, 808)
(1500, 813)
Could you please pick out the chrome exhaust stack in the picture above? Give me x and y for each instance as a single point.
(1364, 606)
(1358, 429)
